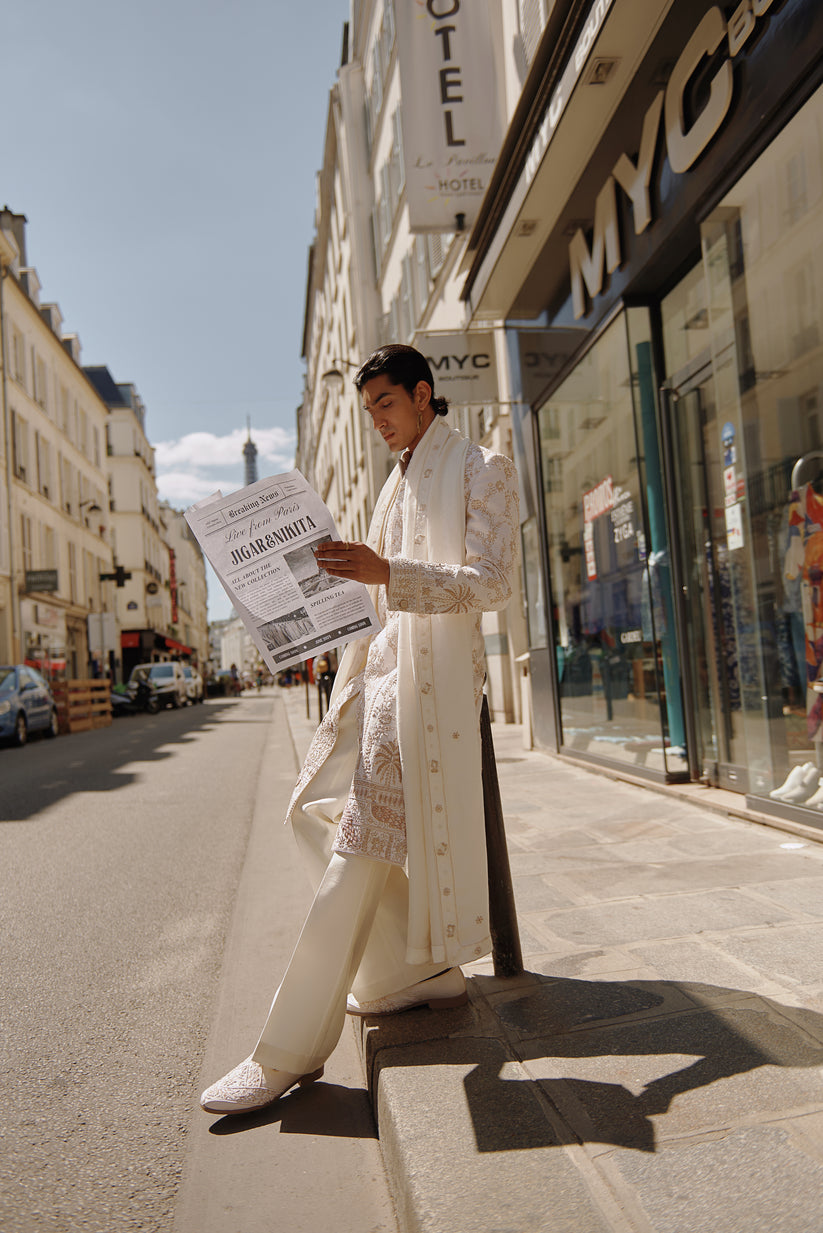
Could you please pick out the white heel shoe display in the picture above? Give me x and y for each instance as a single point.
(804, 788)
(792, 781)
(815, 801)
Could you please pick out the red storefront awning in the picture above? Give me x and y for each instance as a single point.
(171, 645)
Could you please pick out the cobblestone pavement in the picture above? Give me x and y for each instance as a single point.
(659, 1066)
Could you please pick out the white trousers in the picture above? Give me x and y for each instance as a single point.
(353, 940)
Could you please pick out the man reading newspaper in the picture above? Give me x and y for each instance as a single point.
(388, 808)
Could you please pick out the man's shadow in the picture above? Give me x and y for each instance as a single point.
(555, 1025)
(594, 1026)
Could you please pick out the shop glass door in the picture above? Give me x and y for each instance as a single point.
(715, 482)
(608, 556)
(715, 592)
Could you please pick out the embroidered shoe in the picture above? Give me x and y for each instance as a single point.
(251, 1086)
(441, 992)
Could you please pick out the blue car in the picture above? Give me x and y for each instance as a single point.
(26, 704)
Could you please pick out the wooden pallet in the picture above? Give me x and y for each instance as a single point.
(82, 705)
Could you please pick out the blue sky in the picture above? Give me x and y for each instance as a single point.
(164, 154)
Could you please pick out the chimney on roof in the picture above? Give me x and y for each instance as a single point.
(16, 224)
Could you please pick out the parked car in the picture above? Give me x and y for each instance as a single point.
(194, 683)
(167, 680)
(26, 704)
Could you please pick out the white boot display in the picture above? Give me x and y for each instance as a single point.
(815, 801)
(791, 781)
(807, 784)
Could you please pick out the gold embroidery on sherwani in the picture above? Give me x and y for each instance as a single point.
(374, 819)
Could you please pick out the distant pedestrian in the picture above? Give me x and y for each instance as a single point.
(324, 676)
(388, 808)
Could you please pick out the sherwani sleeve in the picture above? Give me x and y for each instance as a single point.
(483, 583)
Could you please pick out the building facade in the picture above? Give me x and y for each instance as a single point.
(55, 544)
(342, 308)
(651, 239)
(375, 276)
(187, 586)
(145, 605)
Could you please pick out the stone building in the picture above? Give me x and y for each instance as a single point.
(55, 540)
(376, 275)
(187, 585)
(139, 538)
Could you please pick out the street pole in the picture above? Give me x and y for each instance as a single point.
(507, 955)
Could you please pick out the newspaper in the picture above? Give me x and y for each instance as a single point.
(259, 541)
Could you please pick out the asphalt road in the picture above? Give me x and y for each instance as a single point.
(122, 851)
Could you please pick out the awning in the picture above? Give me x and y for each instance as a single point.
(171, 645)
(146, 639)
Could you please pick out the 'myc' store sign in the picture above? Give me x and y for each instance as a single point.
(686, 138)
(451, 112)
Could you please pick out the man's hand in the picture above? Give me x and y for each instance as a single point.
(356, 561)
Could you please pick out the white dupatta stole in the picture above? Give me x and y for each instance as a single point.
(437, 719)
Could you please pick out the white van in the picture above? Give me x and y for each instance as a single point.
(166, 679)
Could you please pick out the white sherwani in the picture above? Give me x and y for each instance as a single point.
(400, 742)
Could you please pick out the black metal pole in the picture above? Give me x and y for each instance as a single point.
(506, 952)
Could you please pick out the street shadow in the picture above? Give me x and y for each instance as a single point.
(322, 1109)
(575, 1036)
(43, 773)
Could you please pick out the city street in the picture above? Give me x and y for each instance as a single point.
(122, 850)
(667, 1027)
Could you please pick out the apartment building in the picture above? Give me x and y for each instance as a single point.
(378, 274)
(187, 585)
(334, 449)
(141, 554)
(54, 525)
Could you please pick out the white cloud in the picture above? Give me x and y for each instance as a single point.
(206, 449)
(181, 488)
(196, 465)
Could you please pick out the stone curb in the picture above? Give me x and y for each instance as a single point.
(665, 1046)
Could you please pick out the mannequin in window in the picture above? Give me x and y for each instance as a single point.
(804, 562)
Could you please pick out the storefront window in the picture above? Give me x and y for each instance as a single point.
(533, 584)
(742, 342)
(610, 614)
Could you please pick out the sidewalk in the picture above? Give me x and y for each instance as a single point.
(659, 1067)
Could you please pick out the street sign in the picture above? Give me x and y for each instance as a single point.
(119, 577)
(41, 580)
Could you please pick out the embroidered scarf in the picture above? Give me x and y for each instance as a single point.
(438, 728)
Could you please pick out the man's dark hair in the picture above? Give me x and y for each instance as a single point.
(403, 366)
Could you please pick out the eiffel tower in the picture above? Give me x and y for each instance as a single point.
(250, 456)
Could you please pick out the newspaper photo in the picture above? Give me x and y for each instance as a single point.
(260, 543)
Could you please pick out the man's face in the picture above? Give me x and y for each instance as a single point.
(395, 413)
